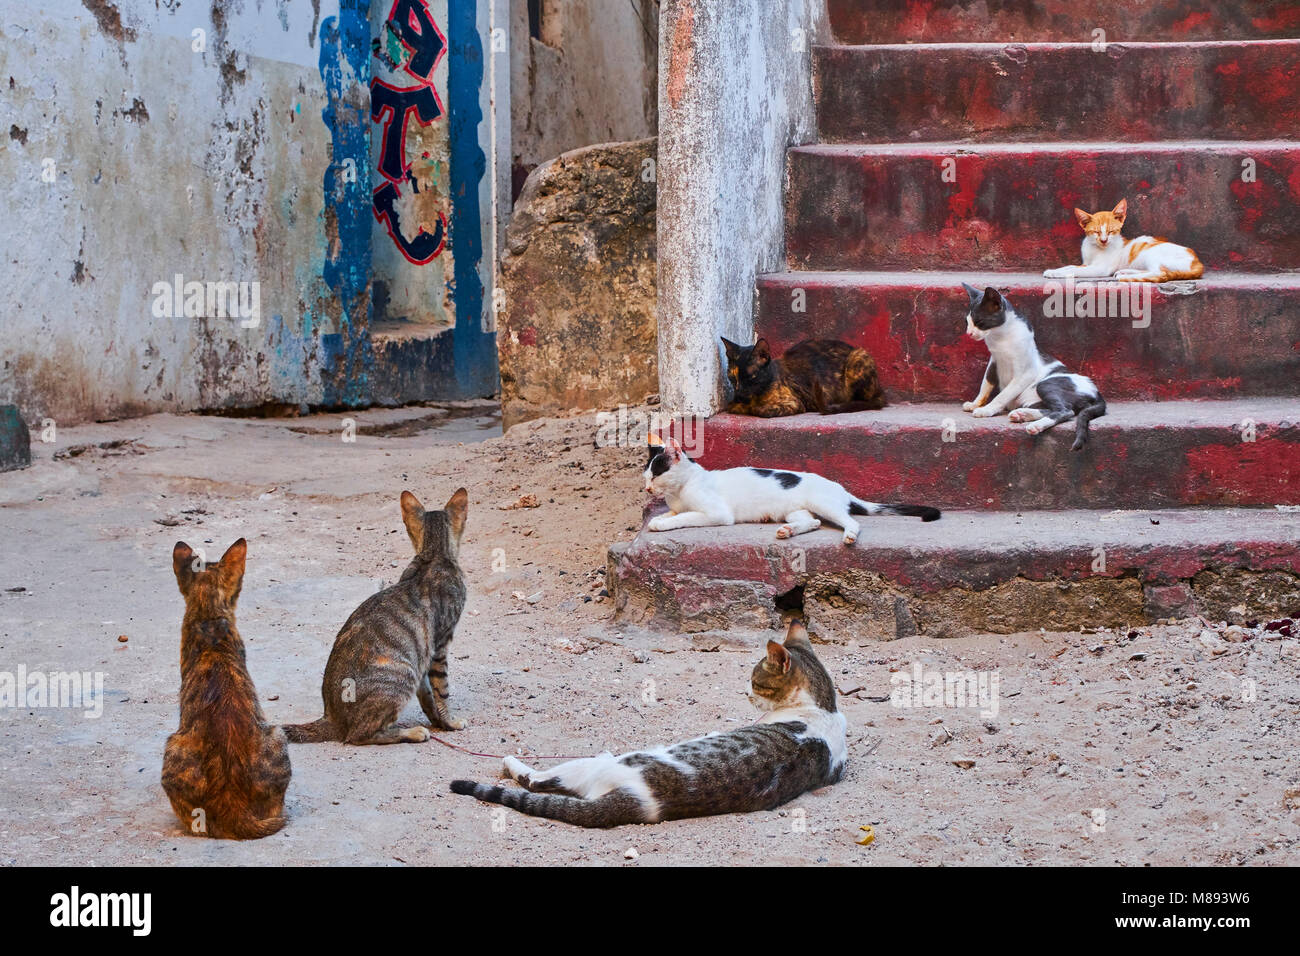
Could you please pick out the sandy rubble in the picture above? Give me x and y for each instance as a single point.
(1160, 745)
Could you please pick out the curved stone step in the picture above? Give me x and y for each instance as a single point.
(1232, 334)
(1141, 455)
(969, 21)
(985, 571)
(1008, 207)
(999, 92)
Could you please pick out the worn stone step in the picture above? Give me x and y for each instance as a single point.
(999, 92)
(1232, 334)
(1009, 207)
(1141, 455)
(983, 571)
(969, 21)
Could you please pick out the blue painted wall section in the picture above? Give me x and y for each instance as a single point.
(347, 359)
(474, 350)
(355, 370)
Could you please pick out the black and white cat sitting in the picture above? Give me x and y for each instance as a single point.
(1035, 387)
(698, 498)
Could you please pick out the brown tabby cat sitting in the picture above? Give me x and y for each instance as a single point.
(225, 770)
(816, 375)
(395, 644)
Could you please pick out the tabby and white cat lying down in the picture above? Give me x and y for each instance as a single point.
(698, 498)
(798, 745)
(1035, 386)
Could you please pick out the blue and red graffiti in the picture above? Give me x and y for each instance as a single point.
(392, 106)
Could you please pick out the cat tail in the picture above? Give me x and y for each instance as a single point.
(1095, 410)
(614, 809)
(924, 512)
(313, 733)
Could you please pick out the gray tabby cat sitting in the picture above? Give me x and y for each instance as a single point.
(395, 644)
(797, 746)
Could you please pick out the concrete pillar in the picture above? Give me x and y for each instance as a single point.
(735, 91)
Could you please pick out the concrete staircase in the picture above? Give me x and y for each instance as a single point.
(956, 137)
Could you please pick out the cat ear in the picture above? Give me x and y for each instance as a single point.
(778, 657)
(183, 565)
(1121, 210)
(797, 634)
(230, 572)
(413, 518)
(731, 347)
(1083, 217)
(457, 509)
(992, 300)
(761, 351)
(674, 448)
(972, 293)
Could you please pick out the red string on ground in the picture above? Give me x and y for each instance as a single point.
(472, 753)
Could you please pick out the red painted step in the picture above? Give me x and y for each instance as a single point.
(995, 92)
(989, 571)
(970, 21)
(1141, 455)
(1232, 334)
(1008, 207)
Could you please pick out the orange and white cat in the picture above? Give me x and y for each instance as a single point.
(1144, 259)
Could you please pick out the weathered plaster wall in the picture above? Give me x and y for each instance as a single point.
(735, 90)
(135, 149)
(223, 141)
(590, 78)
(578, 329)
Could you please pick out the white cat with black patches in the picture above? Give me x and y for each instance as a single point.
(699, 498)
(1038, 390)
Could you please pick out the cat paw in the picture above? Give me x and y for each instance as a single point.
(1035, 427)
(415, 735)
(968, 406)
(849, 538)
(785, 531)
(984, 412)
(1056, 273)
(657, 524)
(1020, 415)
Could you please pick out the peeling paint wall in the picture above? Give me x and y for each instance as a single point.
(591, 77)
(161, 158)
(157, 140)
(735, 91)
(411, 168)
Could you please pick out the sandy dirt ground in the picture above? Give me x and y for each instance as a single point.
(1160, 745)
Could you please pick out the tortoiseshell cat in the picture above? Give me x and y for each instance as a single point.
(395, 644)
(799, 745)
(225, 770)
(816, 375)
